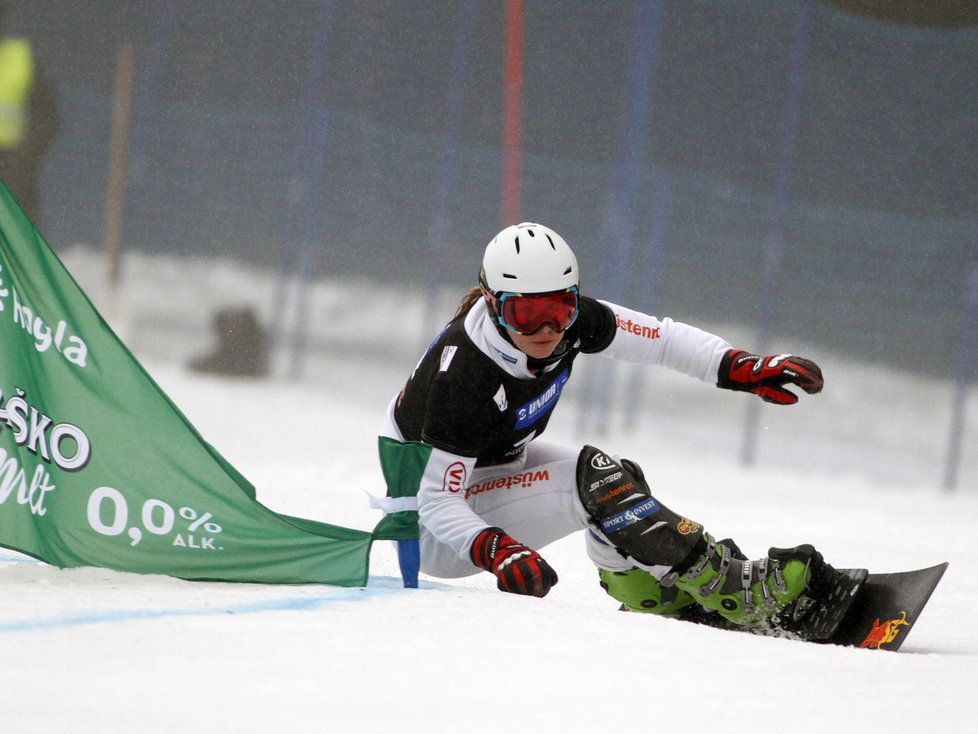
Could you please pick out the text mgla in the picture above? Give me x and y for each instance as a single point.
(70, 346)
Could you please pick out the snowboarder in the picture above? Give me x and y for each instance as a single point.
(489, 494)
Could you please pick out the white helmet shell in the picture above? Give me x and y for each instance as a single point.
(529, 258)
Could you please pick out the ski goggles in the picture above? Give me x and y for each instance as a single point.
(527, 314)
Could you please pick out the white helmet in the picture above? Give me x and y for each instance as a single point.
(528, 258)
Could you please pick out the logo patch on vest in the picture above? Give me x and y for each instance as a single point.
(630, 516)
(500, 398)
(455, 477)
(508, 357)
(447, 354)
(531, 412)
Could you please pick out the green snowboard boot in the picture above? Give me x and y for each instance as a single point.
(756, 594)
(640, 591)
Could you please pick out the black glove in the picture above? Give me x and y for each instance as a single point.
(518, 569)
(766, 376)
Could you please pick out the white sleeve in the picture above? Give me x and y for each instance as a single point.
(442, 508)
(644, 339)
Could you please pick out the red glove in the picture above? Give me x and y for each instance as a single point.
(766, 376)
(518, 569)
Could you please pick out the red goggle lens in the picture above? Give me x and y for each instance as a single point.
(527, 314)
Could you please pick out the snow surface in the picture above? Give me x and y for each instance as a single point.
(856, 471)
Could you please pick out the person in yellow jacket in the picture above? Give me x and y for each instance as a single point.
(29, 120)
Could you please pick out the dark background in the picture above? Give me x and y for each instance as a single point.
(264, 130)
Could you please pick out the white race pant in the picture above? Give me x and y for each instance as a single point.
(533, 499)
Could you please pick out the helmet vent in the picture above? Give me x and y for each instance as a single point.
(569, 268)
(550, 240)
(517, 239)
(507, 275)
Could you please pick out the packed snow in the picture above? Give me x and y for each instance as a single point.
(856, 471)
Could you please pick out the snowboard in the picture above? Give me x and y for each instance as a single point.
(874, 611)
(885, 608)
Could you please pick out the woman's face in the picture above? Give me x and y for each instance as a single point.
(540, 345)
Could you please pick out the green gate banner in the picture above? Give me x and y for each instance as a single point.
(99, 468)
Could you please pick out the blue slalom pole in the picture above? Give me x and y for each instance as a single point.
(654, 255)
(302, 211)
(620, 210)
(774, 248)
(409, 561)
(147, 106)
(317, 132)
(967, 353)
(409, 551)
(448, 159)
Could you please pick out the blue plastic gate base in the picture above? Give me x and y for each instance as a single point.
(409, 559)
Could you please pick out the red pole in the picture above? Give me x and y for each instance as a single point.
(512, 112)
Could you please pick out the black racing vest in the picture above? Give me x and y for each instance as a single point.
(460, 401)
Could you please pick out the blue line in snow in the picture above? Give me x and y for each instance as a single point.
(129, 615)
(11, 559)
